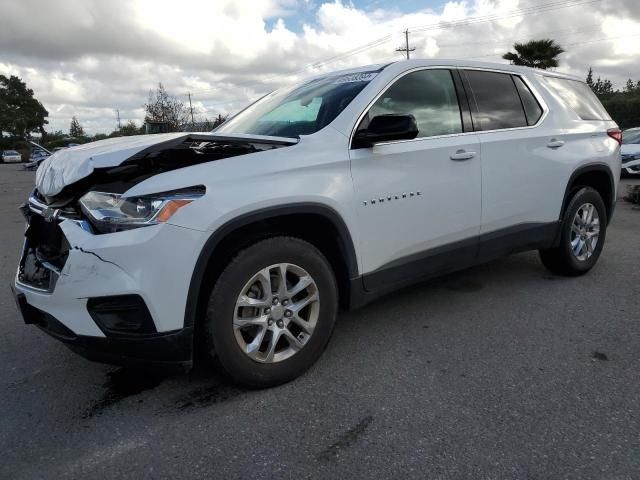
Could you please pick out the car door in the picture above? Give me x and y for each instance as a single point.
(419, 201)
(523, 169)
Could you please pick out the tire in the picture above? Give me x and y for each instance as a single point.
(231, 333)
(562, 259)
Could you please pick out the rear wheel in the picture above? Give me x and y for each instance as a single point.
(583, 232)
(272, 311)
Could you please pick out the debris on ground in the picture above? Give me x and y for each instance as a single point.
(600, 356)
(633, 194)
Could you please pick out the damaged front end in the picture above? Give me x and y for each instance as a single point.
(110, 297)
(118, 298)
(45, 249)
(71, 181)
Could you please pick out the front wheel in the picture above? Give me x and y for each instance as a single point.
(272, 311)
(583, 231)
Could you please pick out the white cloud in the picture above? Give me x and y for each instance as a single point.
(95, 56)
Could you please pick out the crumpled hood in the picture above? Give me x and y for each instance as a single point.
(67, 166)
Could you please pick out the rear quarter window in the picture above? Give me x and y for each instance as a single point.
(532, 108)
(579, 96)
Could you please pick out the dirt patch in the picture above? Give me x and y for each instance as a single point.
(210, 395)
(600, 356)
(123, 383)
(345, 440)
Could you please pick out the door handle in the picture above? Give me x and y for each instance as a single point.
(462, 155)
(553, 143)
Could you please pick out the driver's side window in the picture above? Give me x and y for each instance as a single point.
(429, 95)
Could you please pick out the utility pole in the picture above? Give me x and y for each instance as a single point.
(118, 110)
(406, 47)
(191, 108)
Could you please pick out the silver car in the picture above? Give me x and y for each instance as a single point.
(630, 151)
(11, 156)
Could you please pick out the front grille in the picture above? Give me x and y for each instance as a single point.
(45, 249)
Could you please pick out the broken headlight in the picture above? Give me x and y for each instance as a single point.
(111, 212)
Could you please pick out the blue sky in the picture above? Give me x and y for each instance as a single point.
(305, 13)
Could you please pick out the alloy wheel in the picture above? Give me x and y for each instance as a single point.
(585, 231)
(276, 313)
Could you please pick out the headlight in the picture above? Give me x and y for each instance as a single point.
(111, 212)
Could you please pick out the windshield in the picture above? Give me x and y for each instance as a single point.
(299, 110)
(11, 152)
(631, 137)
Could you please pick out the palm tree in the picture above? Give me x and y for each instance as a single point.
(535, 53)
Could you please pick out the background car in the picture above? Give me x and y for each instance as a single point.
(11, 156)
(38, 155)
(630, 152)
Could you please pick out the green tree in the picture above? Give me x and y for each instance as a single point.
(129, 128)
(166, 109)
(622, 105)
(219, 120)
(590, 77)
(535, 53)
(75, 129)
(20, 113)
(603, 88)
(631, 87)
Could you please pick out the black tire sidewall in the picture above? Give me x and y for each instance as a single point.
(582, 196)
(219, 324)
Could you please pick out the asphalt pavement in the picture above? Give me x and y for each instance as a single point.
(500, 371)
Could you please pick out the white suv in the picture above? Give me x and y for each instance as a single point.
(334, 191)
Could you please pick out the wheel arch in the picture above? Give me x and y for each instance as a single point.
(598, 176)
(246, 229)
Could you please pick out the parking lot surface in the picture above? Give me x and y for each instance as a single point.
(500, 371)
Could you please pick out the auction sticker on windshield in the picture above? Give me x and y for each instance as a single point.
(356, 77)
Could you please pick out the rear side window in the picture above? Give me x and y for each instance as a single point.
(532, 108)
(497, 99)
(429, 95)
(579, 96)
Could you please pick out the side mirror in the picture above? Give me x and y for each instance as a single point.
(385, 128)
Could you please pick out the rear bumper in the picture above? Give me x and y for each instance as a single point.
(172, 350)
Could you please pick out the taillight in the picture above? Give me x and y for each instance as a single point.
(616, 134)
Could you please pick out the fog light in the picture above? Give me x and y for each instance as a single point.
(121, 315)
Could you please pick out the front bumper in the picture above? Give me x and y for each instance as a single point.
(166, 349)
(153, 263)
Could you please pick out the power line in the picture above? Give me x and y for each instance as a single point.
(522, 12)
(532, 10)
(604, 39)
(592, 28)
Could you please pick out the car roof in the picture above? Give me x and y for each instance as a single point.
(429, 62)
